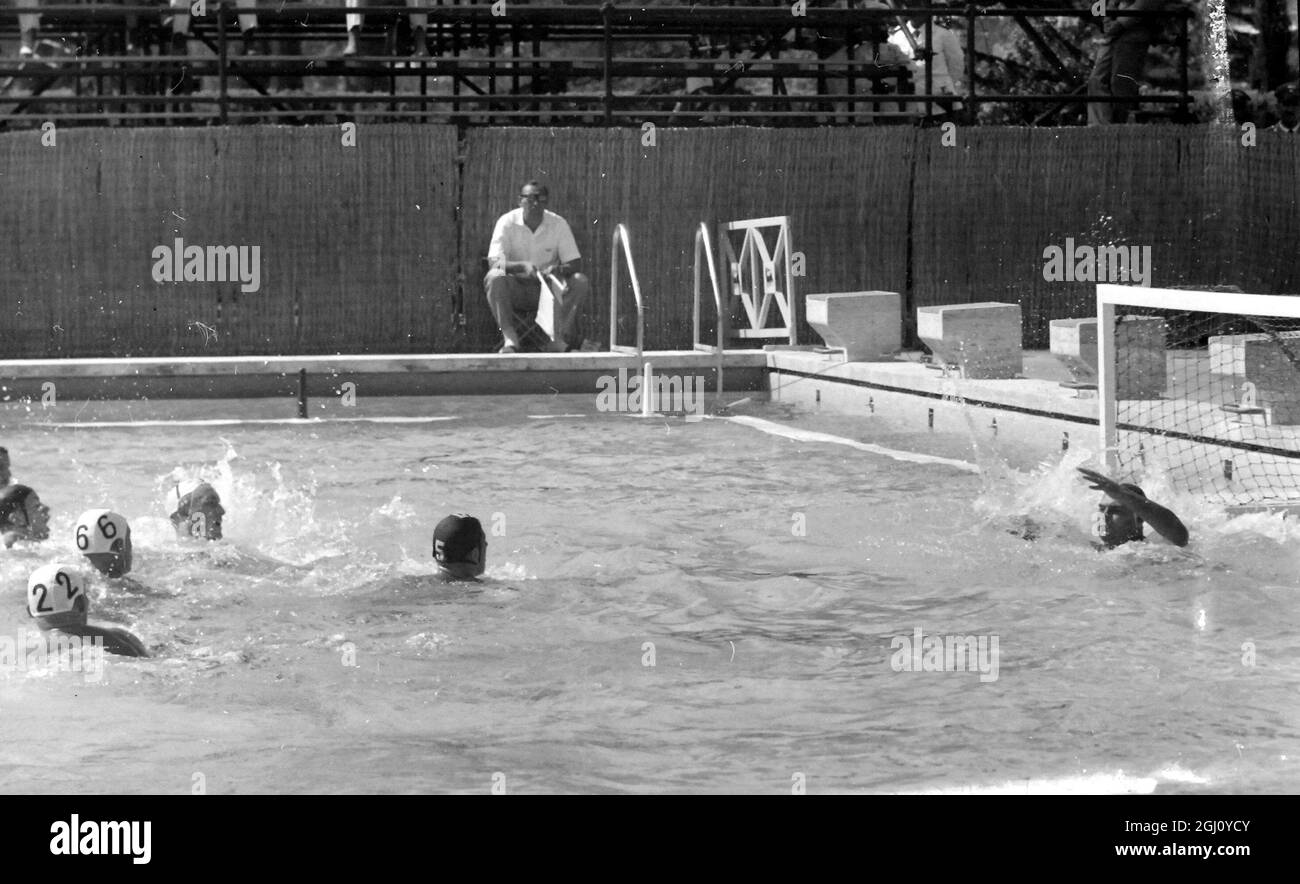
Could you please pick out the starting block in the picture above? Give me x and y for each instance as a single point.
(1275, 376)
(1140, 338)
(867, 326)
(982, 339)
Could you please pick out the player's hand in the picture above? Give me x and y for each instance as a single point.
(1106, 485)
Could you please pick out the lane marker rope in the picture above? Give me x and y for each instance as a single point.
(776, 429)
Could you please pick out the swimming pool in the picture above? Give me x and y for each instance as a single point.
(767, 579)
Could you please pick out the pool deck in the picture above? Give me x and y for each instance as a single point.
(1033, 409)
(232, 377)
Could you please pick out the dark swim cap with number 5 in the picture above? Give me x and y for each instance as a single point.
(457, 538)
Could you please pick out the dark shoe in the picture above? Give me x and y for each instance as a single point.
(249, 48)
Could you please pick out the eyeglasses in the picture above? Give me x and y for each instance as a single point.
(533, 197)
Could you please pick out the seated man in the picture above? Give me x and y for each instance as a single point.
(1119, 519)
(198, 513)
(22, 515)
(530, 244)
(56, 598)
(104, 537)
(460, 548)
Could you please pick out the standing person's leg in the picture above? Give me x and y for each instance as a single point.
(353, 22)
(29, 27)
(1128, 60)
(1100, 113)
(247, 23)
(181, 83)
(180, 25)
(419, 26)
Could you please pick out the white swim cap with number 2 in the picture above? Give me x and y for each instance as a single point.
(53, 589)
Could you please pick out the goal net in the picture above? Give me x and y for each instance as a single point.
(1203, 387)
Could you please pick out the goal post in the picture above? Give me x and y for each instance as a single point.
(1204, 387)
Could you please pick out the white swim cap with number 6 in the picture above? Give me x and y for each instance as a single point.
(98, 529)
(54, 589)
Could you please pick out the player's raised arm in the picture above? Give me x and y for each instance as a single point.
(1129, 509)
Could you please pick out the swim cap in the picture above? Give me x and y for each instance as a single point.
(457, 538)
(12, 498)
(54, 589)
(198, 513)
(100, 531)
(201, 497)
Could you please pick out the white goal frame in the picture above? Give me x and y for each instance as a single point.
(1110, 296)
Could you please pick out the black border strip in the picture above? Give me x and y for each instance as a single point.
(1054, 415)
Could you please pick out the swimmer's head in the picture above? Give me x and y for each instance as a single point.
(1121, 524)
(4, 468)
(460, 547)
(56, 596)
(22, 513)
(198, 513)
(104, 537)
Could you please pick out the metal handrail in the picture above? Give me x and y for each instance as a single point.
(705, 246)
(621, 236)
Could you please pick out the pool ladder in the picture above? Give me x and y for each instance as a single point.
(621, 237)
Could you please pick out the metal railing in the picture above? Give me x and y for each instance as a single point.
(621, 237)
(704, 250)
(116, 62)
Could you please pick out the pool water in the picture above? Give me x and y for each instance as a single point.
(669, 607)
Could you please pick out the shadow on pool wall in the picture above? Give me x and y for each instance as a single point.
(369, 249)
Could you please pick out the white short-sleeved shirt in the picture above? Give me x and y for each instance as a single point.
(949, 59)
(551, 243)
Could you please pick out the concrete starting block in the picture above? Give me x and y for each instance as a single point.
(1140, 346)
(1228, 352)
(867, 325)
(1275, 376)
(1140, 341)
(1074, 343)
(982, 340)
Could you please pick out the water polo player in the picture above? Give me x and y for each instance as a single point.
(460, 547)
(56, 598)
(1119, 520)
(198, 513)
(22, 515)
(104, 537)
